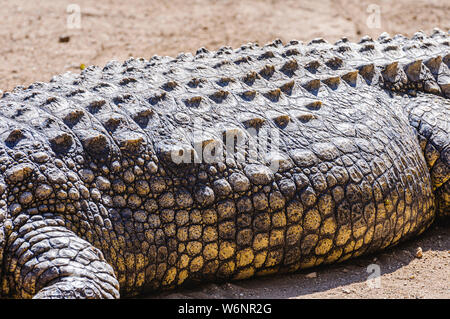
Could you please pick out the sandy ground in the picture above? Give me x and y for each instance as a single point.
(37, 43)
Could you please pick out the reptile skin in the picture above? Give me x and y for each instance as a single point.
(122, 180)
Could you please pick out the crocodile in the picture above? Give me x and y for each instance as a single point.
(221, 165)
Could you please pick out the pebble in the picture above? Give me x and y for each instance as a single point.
(64, 38)
(311, 275)
(419, 253)
(346, 291)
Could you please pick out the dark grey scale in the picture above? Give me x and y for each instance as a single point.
(193, 101)
(332, 82)
(317, 41)
(219, 96)
(365, 39)
(273, 95)
(244, 60)
(143, 116)
(267, 71)
(351, 78)
(41, 122)
(95, 105)
(14, 137)
(343, 49)
(435, 65)
(104, 88)
(315, 105)
(195, 82)
(276, 43)
(394, 77)
(367, 48)
(313, 66)
(88, 131)
(312, 86)
(170, 85)
(438, 70)
(335, 63)
(125, 134)
(250, 121)
(391, 48)
(384, 38)
(282, 120)
(98, 141)
(291, 52)
(248, 95)
(369, 73)
(415, 71)
(446, 59)
(225, 81)
(250, 78)
(156, 97)
(126, 81)
(266, 55)
(139, 111)
(287, 87)
(290, 67)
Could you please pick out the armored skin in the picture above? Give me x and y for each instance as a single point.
(146, 175)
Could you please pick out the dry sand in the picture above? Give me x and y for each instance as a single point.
(31, 50)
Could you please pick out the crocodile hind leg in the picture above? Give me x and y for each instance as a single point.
(429, 115)
(46, 260)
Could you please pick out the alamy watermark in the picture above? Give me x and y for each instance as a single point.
(73, 16)
(239, 145)
(374, 278)
(373, 20)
